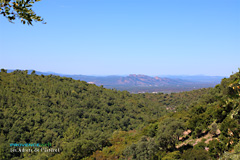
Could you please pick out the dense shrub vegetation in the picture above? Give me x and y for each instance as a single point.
(211, 123)
(87, 121)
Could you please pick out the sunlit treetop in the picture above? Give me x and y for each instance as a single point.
(22, 9)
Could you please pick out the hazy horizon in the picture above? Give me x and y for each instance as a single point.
(60, 73)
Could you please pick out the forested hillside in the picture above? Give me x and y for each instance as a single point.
(85, 121)
(207, 129)
(76, 117)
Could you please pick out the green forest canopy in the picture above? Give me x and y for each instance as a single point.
(84, 120)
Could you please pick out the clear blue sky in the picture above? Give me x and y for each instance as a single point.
(119, 37)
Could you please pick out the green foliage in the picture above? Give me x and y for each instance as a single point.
(195, 154)
(217, 109)
(200, 146)
(4, 148)
(230, 132)
(216, 105)
(74, 116)
(86, 122)
(142, 150)
(232, 155)
(237, 148)
(151, 130)
(22, 9)
(178, 101)
(169, 131)
(216, 148)
(172, 156)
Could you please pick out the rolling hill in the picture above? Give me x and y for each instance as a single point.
(78, 120)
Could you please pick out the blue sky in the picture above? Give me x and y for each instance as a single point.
(119, 37)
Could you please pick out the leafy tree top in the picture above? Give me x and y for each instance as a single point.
(22, 9)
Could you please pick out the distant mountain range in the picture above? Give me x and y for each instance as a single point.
(143, 83)
(137, 80)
